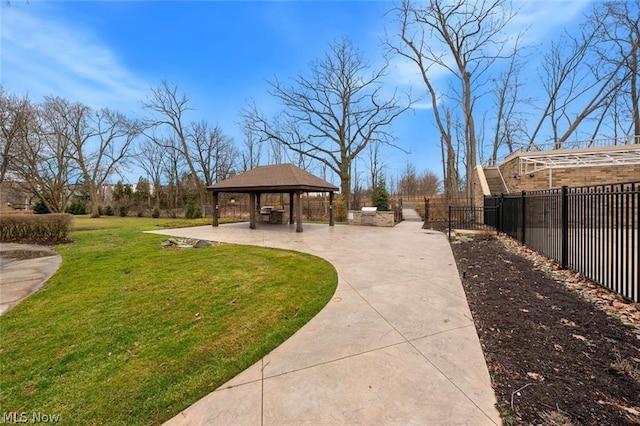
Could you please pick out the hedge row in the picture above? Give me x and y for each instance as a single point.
(41, 228)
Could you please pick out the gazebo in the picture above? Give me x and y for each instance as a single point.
(274, 179)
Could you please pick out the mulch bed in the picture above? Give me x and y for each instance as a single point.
(560, 350)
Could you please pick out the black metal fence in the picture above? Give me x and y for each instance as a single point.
(474, 218)
(593, 230)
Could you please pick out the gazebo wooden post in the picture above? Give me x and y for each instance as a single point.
(298, 211)
(252, 210)
(290, 208)
(215, 208)
(331, 215)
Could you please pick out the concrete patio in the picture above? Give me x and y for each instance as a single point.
(24, 274)
(395, 345)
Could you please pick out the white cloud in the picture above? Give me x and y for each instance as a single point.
(403, 71)
(422, 105)
(542, 19)
(42, 57)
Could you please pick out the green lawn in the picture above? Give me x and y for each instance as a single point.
(127, 332)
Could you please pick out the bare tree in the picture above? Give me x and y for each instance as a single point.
(150, 157)
(102, 142)
(408, 182)
(376, 164)
(226, 155)
(393, 186)
(449, 155)
(252, 152)
(332, 114)
(277, 154)
(44, 156)
(412, 185)
(616, 121)
(15, 114)
(509, 125)
(357, 190)
(461, 38)
(618, 23)
(578, 84)
(207, 152)
(61, 145)
(168, 108)
(175, 168)
(428, 184)
(214, 153)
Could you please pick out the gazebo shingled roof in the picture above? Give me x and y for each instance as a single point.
(276, 178)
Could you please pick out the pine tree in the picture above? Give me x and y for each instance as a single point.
(380, 196)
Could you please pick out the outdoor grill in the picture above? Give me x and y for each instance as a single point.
(368, 215)
(269, 214)
(266, 211)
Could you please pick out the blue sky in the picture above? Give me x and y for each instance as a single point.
(219, 53)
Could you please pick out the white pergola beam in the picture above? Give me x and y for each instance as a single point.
(530, 164)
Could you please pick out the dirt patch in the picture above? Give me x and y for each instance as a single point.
(559, 349)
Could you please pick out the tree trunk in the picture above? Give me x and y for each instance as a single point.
(96, 202)
(345, 183)
(470, 134)
(451, 186)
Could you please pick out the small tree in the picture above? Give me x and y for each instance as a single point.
(142, 194)
(40, 208)
(380, 196)
(77, 206)
(193, 209)
(122, 197)
(340, 208)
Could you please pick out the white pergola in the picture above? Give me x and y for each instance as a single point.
(609, 156)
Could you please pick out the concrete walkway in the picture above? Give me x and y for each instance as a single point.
(411, 215)
(23, 270)
(395, 345)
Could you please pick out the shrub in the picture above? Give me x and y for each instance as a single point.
(156, 213)
(340, 212)
(50, 229)
(108, 211)
(123, 211)
(40, 207)
(76, 207)
(193, 209)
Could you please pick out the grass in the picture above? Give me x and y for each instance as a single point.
(127, 332)
(506, 414)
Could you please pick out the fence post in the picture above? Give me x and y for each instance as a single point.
(426, 213)
(500, 214)
(565, 227)
(449, 223)
(426, 209)
(524, 218)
